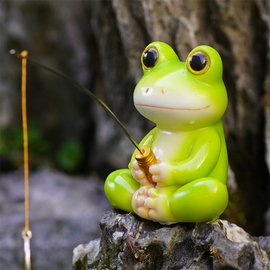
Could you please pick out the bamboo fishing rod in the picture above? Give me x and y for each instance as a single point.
(84, 89)
(144, 155)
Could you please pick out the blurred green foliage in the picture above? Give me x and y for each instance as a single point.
(68, 156)
(12, 140)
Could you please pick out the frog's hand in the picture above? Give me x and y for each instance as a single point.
(202, 160)
(147, 140)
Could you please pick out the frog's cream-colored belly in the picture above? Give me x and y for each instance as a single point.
(172, 146)
(152, 203)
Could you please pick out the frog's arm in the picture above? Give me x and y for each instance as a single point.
(147, 140)
(201, 161)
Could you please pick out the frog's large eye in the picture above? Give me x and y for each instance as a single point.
(198, 63)
(149, 58)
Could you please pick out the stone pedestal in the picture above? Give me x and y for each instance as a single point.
(129, 242)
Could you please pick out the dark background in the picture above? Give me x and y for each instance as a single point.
(99, 44)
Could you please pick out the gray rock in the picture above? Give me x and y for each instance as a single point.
(64, 211)
(129, 242)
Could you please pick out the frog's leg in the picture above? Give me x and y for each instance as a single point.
(201, 200)
(120, 187)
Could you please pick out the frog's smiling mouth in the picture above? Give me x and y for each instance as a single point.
(172, 109)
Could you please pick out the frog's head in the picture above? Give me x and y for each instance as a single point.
(181, 95)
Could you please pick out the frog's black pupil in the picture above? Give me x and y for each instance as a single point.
(198, 61)
(150, 58)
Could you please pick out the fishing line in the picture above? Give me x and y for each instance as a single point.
(87, 91)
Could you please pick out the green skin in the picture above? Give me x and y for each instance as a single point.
(188, 142)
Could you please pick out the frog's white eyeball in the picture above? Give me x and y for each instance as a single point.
(149, 58)
(198, 63)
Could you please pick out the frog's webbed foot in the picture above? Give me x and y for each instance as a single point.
(145, 202)
(153, 203)
(201, 200)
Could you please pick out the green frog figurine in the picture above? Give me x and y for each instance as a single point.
(186, 100)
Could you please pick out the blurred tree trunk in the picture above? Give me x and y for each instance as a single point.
(100, 43)
(239, 31)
